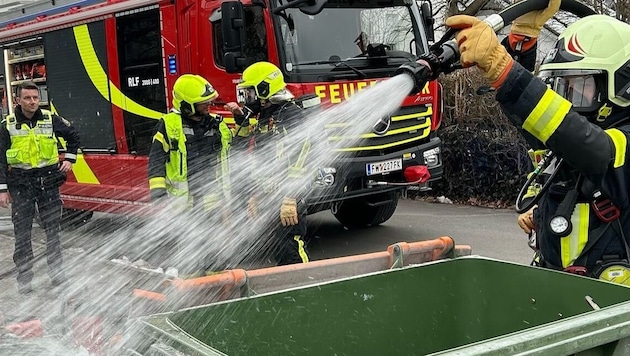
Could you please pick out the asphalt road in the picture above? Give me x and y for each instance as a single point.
(490, 232)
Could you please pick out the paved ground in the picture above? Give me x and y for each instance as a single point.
(45, 302)
(93, 286)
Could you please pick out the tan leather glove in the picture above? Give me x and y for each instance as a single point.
(526, 220)
(532, 22)
(288, 212)
(478, 44)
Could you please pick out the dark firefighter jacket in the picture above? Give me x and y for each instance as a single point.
(203, 154)
(275, 136)
(61, 128)
(599, 155)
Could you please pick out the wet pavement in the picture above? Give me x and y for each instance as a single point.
(42, 308)
(94, 287)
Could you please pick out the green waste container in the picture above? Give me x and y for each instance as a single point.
(462, 306)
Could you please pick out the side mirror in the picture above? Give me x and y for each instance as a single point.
(429, 21)
(233, 26)
(313, 7)
(308, 7)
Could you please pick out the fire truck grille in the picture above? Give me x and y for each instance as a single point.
(410, 126)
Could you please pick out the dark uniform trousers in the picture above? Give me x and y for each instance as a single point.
(28, 189)
(288, 246)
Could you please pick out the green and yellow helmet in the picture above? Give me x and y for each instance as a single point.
(191, 89)
(590, 65)
(265, 78)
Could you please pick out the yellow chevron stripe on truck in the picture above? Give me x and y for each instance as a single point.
(81, 169)
(83, 173)
(99, 78)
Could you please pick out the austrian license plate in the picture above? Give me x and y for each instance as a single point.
(383, 167)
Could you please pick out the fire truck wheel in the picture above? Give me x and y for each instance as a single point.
(367, 211)
(73, 218)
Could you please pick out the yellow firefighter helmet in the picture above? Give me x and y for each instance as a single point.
(264, 77)
(191, 89)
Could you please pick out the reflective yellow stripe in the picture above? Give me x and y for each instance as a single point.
(572, 245)
(295, 172)
(423, 126)
(82, 172)
(157, 183)
(387, 145)
(211, 201)
(306, 147)
(99, 78)
(160, 137)
(301, 250)
(620, 142)
(547, 115)
(429, 112)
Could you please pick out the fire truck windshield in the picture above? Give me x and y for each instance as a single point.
(351, 32)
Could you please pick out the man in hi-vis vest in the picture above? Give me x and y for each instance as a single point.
(31, 173)
(188, 170)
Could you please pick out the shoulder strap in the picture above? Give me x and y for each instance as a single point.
(599, 232)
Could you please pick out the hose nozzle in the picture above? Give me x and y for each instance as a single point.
(419, 71)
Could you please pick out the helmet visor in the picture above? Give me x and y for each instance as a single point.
(246, 95)
(582, 88)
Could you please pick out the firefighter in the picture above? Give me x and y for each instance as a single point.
(188, 168)
(30, 175)
(271, 114)
(578, 108)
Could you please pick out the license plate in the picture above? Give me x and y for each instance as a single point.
(383, 167)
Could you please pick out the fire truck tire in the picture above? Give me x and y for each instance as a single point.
(367, 211)
(73, 218)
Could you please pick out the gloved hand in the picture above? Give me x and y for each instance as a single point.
(532, 22)
(478, 44)
(526, 220)
(288, 212)
(252, 207)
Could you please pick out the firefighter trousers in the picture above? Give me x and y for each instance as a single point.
(27, 194)
(289, 246)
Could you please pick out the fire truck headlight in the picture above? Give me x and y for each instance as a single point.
(432, 157)
(325, 177)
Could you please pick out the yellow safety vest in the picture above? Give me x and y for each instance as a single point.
(32, 147)
(177, 167)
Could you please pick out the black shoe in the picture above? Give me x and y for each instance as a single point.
(25, 288)
(58, 280)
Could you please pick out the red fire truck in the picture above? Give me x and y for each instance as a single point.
(109, 67)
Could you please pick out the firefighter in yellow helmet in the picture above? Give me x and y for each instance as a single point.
(271, 113)
(188, 168)
(579, 108)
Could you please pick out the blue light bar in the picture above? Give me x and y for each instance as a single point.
(172, 64)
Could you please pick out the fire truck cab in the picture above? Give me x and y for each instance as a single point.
(109, 67)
